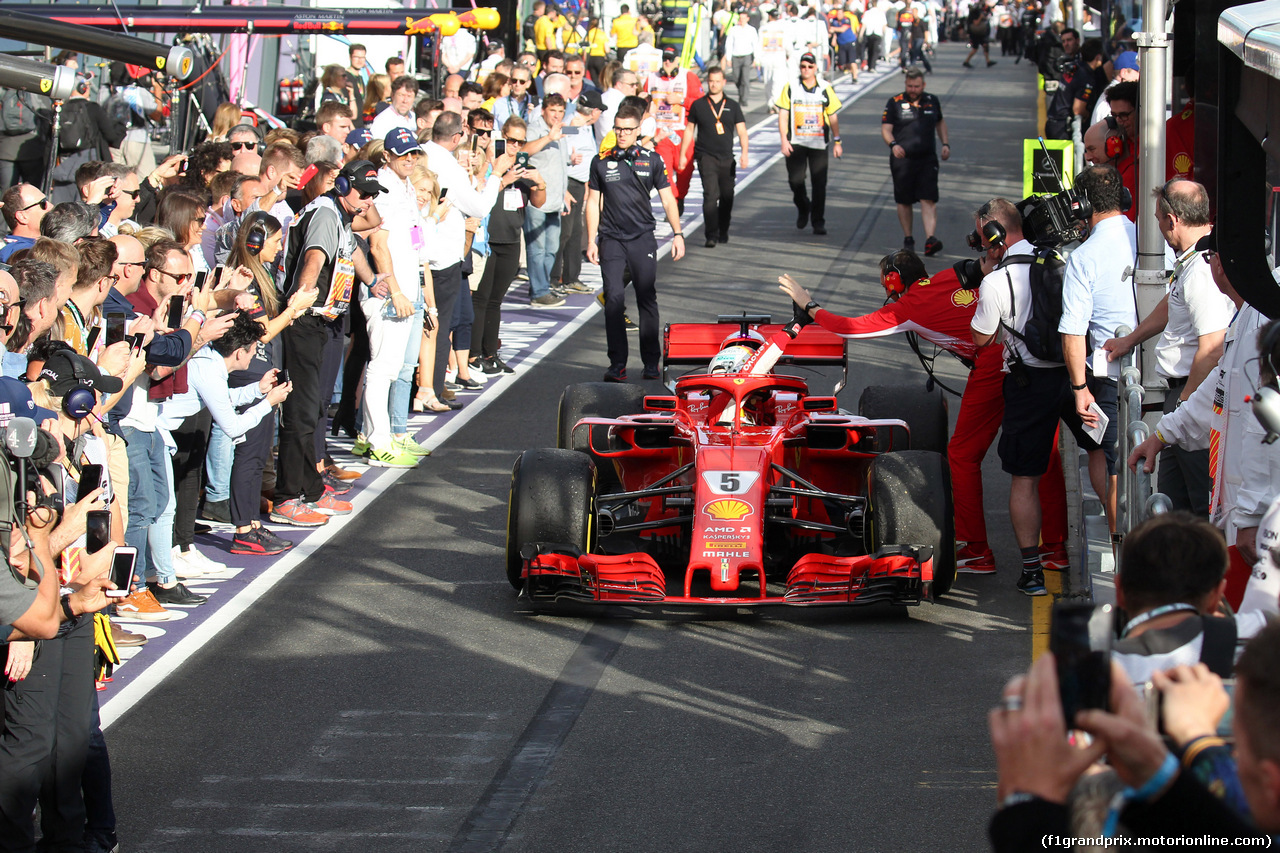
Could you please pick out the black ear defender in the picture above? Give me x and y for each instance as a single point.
(1266, 400)
(342, 184)
(256, 238)
(78, 403)
(992, 234)
(1126, 199)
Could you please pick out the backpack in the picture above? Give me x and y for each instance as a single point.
(118, 109)
(1040, 334)
(76, 130)
(17, 113)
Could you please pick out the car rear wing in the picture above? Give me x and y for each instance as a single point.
(695, 344)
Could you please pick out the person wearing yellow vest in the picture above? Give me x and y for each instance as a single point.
(595, 45)
(807, 123)
(546, 31)
(625, 31)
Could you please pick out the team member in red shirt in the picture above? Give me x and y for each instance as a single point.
(673, 91)
(939, 309)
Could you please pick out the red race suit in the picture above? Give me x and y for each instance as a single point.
(672, 97)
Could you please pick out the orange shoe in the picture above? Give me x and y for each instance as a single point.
(298, 513)
(341, 473)
(1053, 556)
(330, 504)
(142, 606)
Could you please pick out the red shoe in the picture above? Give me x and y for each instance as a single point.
(1053, 556)
(975, 559)
(298, 513)
(329, 504)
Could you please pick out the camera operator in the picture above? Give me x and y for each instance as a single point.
(1096, 300)
(1036, 392)
(1192, 322)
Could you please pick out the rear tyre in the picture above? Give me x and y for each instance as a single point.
(552, 500)
(910, 494)
(596, 400)
(924, 411)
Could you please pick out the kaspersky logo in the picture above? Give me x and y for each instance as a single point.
(727, 510)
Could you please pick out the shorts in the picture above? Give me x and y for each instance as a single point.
(979, 40)
(847, 54)
(1106, 393)
(1031, 415)
(914, 179)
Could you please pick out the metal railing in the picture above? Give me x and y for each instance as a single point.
(1135, 500)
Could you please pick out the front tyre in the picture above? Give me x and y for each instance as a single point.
(910, 494)
(552, 500)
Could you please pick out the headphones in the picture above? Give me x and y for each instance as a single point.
(627, 155)
(993, 234)
(1266, 400)
(892, 278)
(662, 72)
(257, 236)
(78, 403)
(342, 184)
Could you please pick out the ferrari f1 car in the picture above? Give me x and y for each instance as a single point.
(740, 488)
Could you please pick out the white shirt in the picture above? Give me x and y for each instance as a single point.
(398, 207)
(612, 99)
(1196, 307)
(464, 200)
(994, 311)
(207, 388)
(388, 120)
(457, 50)
(741, 41)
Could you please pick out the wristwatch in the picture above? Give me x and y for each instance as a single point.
(72, 618)
(811, 307)
(1080, 387)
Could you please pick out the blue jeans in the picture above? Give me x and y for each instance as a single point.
(217, 465)
(403, 383)
(542, 242)
(150, 498)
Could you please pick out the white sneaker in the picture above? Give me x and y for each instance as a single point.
(182, 568)
(192, 563)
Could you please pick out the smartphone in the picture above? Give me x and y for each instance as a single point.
(183, 170)
(90, 479)
(122, 563)
(93, 339)
(522, 160)
(178, 303)
(307, 174)
(444, 191)
(499, 147)
(97, 530)
(475, 143)
(137, 341)
(215, 278)
(116, 321)
(1080, 637)
(282, 376)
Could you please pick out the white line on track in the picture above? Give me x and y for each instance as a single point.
(153, 674)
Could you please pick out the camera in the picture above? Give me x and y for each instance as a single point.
(1052, 221)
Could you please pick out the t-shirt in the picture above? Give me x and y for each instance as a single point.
(1179, 144)
(1088, 86)
(811, 111)
(627, 179)
(914, 123)
(263, 355)
(716, 125)
(506, 220)
(1004, 300)
(1196, 307)
(14, 244)
(624, 30)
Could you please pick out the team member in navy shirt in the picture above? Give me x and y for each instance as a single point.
(620, 218)
(907, 126)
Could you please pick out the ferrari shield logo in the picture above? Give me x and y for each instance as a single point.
(186, 66)
(45, 85)
(160, 63)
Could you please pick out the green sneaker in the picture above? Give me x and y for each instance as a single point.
(362, 446)
(393, 458)
(406, 444)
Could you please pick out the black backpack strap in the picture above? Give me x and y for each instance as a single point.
(1218, 648)
(1013, 307)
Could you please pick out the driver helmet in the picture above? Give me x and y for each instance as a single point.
(750, 338)
(731, 359)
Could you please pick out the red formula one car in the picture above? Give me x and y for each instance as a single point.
(738, 489)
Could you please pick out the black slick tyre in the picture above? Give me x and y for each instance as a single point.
(910, 496)
(925, 413)
(596, 400)
(553, 501)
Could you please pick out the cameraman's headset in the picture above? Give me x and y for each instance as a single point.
(1266, 400)
(992, 234)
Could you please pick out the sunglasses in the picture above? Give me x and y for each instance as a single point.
(482, 131)
(574, 73)
(513, 141)
(244, 146)
(519, 82)
(42, 204)
(131, 263)
(180, 278)
(133, 194)
(367, 196)
(1209, 255)
(1122, 116)
(807, 65)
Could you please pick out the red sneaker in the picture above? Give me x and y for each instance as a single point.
(298, 513)
(329, 504)
(1053, 556)
(975, 559)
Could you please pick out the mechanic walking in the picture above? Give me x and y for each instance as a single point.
(907, 126)
(673, 90)
(620, 236)
(807, 123)
(713, 120)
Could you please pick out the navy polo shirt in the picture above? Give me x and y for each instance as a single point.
(626, 181)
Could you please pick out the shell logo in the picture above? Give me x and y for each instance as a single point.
(1182, 164)
(727, 510)
(963, 297)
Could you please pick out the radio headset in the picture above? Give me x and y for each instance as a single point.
(78, 403)
(342, 184)
(1266, 400)
(1115, 144)
(257, 236)
(893, 278)
(993, 234)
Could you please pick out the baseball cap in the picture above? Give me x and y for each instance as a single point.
(1128, 59)
(809, 57)
(363, 175)
(775, 12)
(401, 142)
(360, 137)
(668, 53)
(65, 371)
(16, 402)
(591, 100)
(1208, 243)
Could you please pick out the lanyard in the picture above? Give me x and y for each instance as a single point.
(1154, 613)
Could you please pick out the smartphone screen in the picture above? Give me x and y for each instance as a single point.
(444, 191)
(116, 321)
(215, 278)
(122, 563)
(138, 340)
(1080, 637)
(282, 376)
(90, 479)
(499, 147)
(93, 339)
(97, 530)
(178, 303)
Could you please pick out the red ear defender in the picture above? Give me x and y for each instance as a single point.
(892, 281)
(1115, 147)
